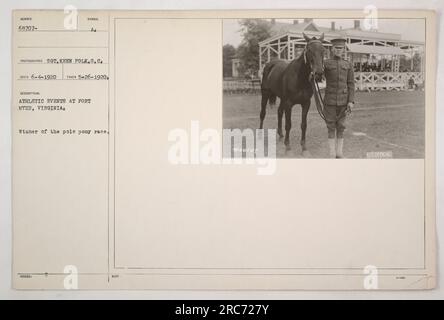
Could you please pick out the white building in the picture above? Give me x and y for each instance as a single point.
(375, 55)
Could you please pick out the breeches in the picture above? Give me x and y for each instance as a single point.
(335, 120)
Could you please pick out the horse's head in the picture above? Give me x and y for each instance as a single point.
(314, 55)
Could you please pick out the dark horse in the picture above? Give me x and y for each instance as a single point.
(291, 82)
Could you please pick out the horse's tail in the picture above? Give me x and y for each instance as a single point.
(265, 73)
(265, 90)
(272, 99)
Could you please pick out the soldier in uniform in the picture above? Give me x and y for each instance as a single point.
(339, 96)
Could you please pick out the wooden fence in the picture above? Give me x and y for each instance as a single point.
(364, 81)
(242, 86)
(379, 81)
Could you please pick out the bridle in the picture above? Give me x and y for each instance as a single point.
(311, 78)
(311, 75)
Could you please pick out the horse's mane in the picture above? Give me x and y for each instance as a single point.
(299, 62)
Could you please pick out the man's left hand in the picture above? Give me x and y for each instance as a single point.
(350, 107)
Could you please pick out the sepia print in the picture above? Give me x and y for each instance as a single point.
(332, 88)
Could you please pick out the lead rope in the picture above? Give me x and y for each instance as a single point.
(318, 98)
(317, 93)
(320, 102)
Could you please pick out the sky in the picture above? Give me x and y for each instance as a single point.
(410, 29)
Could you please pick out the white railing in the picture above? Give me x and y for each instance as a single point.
(377, 81)
(364, 81)
(242, 86)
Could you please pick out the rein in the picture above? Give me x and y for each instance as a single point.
(317, 93)
(320, 102)
(318, 98)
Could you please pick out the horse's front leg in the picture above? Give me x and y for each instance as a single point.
(305, 108)
(288, 108)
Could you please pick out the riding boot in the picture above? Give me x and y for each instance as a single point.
(332, 145)
(339, 146)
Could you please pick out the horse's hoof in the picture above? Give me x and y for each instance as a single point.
(287, 147)
(306, 154)
(260, 134)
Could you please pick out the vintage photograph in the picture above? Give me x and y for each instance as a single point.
(134, 168)
(331, 88)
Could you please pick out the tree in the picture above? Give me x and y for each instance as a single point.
(412, 63)
(253, 32)
(228, 54)
(416, 62)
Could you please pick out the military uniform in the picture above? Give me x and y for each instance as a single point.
(339, 91)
